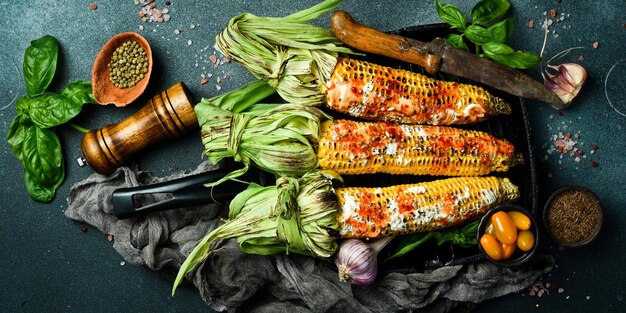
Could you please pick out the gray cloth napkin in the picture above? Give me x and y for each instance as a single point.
(230, 280)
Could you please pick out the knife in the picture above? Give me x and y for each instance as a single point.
(437, 55)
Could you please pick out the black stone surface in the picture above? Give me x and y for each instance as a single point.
(51, 266)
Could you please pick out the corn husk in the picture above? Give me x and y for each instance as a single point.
(280, 139)
(292, 56)
(295, 216)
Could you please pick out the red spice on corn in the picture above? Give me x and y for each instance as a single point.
(403, 209)
(374, 92)
(350, 147)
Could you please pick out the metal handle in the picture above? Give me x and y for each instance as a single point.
(184, 192)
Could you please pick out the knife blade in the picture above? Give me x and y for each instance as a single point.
(436, 56)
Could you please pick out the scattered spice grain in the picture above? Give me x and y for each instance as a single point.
(552, 12)
(595, 44)
(83, 229)
(93, 6)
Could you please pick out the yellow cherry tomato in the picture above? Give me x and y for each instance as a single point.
(505, 229)
(521, 221)
(507, 251)
(491, 246)
(525, 240)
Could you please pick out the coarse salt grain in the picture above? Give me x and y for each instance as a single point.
(189, 42)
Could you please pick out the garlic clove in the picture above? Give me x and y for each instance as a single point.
(566, 82)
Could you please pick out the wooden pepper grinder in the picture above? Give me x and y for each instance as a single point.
(167, 115)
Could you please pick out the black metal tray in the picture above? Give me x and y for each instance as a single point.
(514, 127)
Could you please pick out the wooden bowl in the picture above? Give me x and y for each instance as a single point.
(103, 90)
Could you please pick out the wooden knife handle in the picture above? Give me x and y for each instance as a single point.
(370, 40)
(167, 115)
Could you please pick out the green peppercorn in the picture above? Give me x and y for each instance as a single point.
(128, 65)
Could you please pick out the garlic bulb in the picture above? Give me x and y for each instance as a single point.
(356, 262)
(567, 82)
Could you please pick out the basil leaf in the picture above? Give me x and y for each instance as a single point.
(488, 11)
(494, 48)
(456, 41)
(451, 15)
(39, 192)
(501, 31)
(40, 63)
(50, 109)
(17, 134)
(79, 92)
(478, 35)
(505, 55)
(42, 157)
(409, 243)
(22, 105)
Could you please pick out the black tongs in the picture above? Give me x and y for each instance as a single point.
(186, 191)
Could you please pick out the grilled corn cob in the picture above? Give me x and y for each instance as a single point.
(350, 147)
(302, 62)
(397, 210)
(375, 92)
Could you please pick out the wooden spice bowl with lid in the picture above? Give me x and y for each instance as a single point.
(573, 216)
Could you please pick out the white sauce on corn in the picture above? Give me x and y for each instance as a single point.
(416, 189)
(397, 220)
(392, 148)
(349, 207)
(472, 108)
(489, 196)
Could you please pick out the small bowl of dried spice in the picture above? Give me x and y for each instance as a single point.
(122, 69)
(573, 216)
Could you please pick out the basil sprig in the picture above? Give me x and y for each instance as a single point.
(462, 236)
(487, 32)
(31, 135)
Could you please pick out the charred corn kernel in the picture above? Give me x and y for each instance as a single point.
(376, 92)
(350, 147)
(403, 209)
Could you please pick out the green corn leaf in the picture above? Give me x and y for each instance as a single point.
(294, 216)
